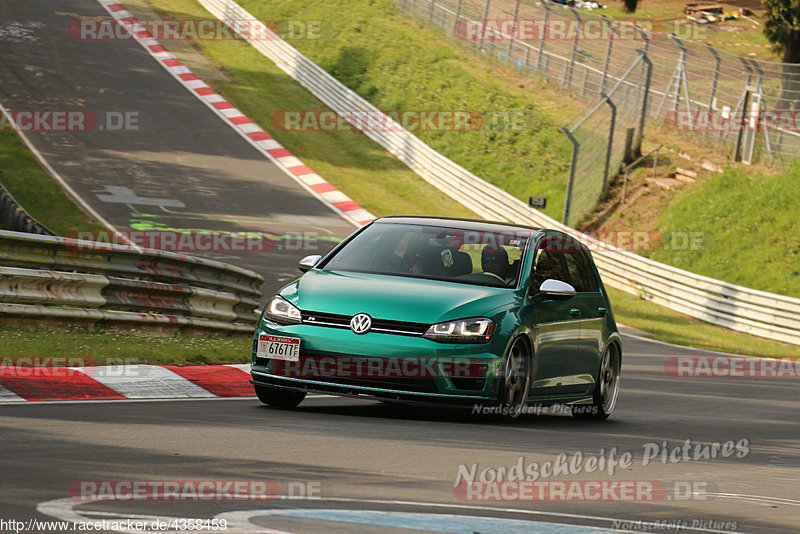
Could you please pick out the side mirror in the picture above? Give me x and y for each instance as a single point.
(553, 290)
(308, 262)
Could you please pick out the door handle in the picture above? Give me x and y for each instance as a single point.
(602, 311)
(575, 312)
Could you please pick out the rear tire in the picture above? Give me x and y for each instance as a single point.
(516, 372)
(606, 389)
(280, 398)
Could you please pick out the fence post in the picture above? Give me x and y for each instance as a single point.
(646, 92)
(430, 12)
(610, 140)
(760, 86)
(544, 34)
(608, 53)
(483, 24)
(571, 65)
(715, 81)
(646, 47)
(458, 12)
(646, 39)
(737, 147)
(574, 164)
(513, 31)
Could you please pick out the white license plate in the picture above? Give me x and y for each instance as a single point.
(278, 348)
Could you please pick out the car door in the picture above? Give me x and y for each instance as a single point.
(592, 310)
(557, 329)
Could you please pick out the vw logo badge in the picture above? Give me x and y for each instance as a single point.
(361, 323)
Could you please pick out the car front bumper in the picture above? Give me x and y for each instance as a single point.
(386, 366)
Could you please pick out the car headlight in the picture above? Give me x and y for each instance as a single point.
(478, 330)
(281, 311)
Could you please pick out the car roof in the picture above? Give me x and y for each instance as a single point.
(452, 222)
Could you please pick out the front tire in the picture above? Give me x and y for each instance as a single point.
(516, 373)
(606, 389)
(280, 398)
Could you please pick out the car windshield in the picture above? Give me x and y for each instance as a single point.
(479, 257)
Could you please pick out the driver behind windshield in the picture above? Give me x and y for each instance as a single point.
(494, 262)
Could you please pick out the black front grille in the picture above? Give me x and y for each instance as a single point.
(381, 326)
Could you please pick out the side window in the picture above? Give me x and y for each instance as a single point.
(549, 264)
(583, 275)
(575, 274)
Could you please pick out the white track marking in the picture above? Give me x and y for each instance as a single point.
(64, 510)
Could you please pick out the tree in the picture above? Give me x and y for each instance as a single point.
(630, 5)
(782, 27)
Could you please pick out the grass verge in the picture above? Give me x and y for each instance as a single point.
(36, 191)
(82, 347)
(749, 227)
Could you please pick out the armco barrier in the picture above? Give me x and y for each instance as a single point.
(739, 308)
(61, 278)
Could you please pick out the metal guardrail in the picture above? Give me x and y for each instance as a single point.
(62, 278)
(739, 308)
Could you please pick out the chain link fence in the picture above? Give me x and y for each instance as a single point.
(600, 136)
(748, 109)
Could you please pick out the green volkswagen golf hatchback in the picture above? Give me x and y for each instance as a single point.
(504, 318)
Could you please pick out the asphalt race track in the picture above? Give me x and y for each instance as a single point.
(183, 167)
(334, 464)
(347, 464)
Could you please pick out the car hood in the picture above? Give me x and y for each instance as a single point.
(394, 298)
